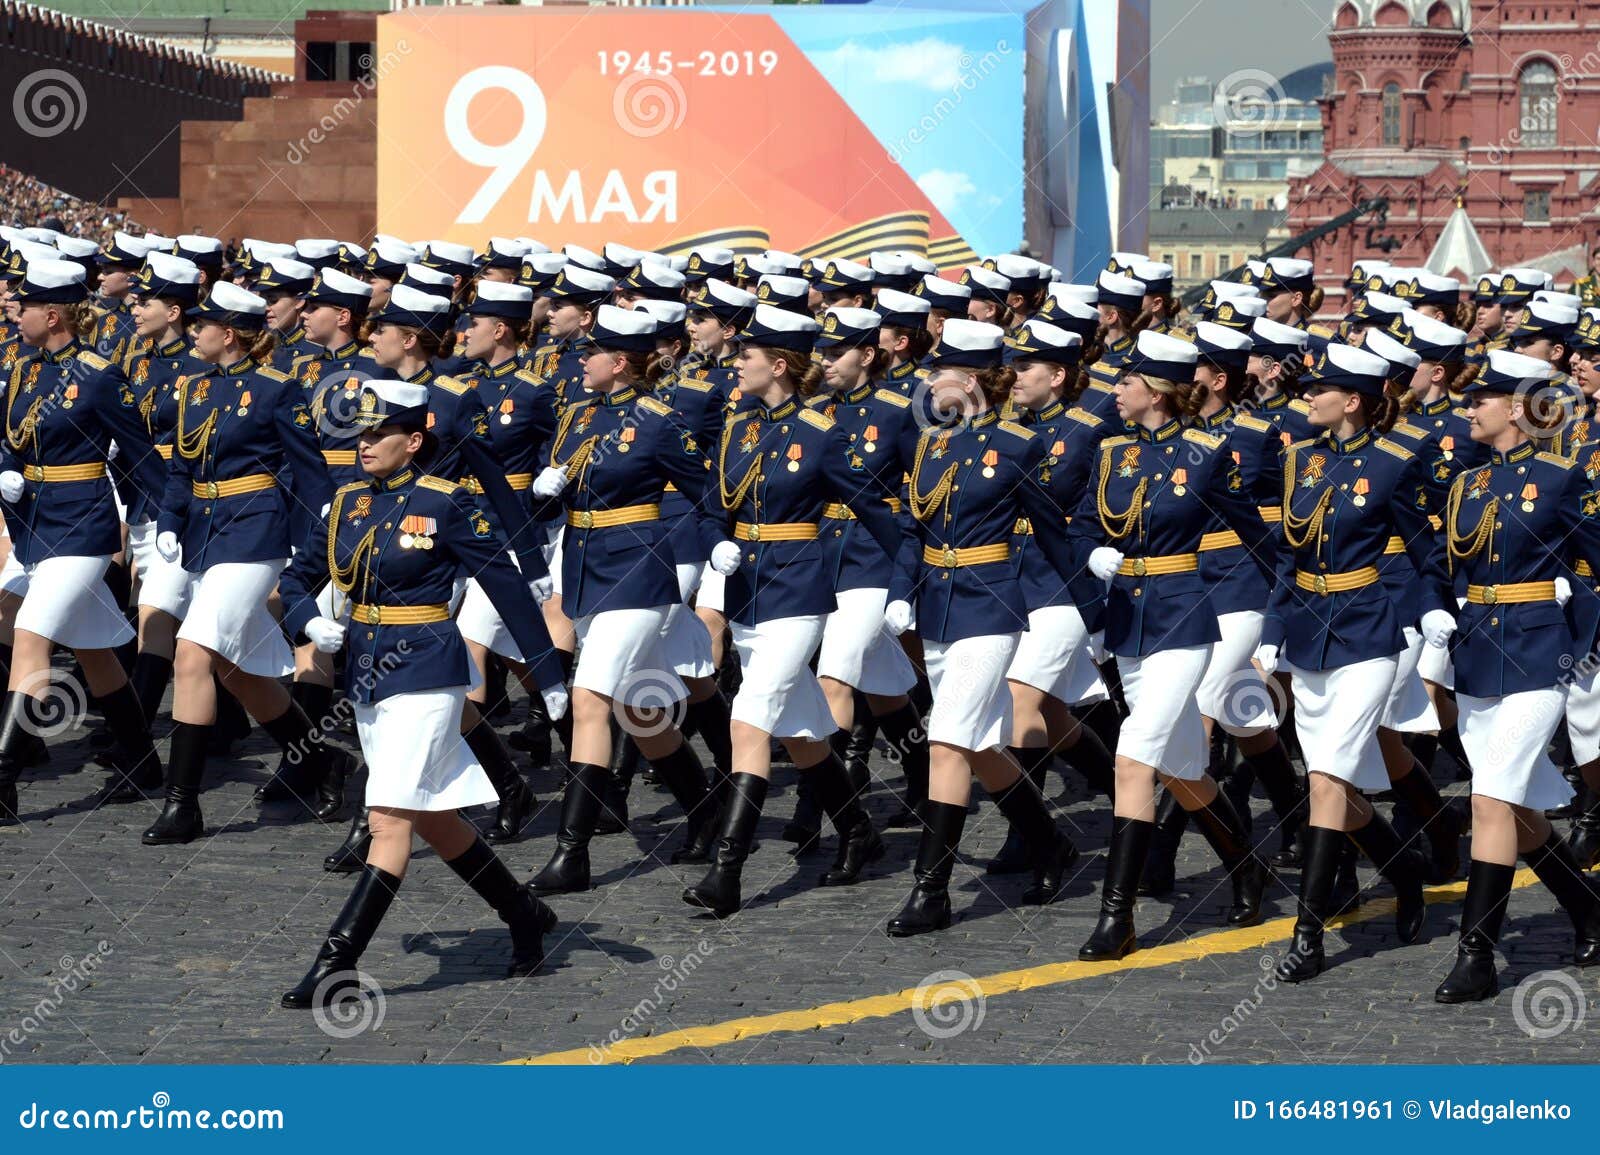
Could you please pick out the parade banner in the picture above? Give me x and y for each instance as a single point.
(828, 132)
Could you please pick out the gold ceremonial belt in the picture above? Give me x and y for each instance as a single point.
(1222, 539)
(339, 456)
(776, 531)
(165, 452)
(235, 486)
(1512, 593)
(1336, 583)
(90, 472)
(840, 512)
(1271, 514)
(1583, 570)
(947, 557)
(606, 518)
(1163, 563)
(399, 615)
(1393, 546)
(519, 481)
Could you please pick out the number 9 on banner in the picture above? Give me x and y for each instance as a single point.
(508, 159)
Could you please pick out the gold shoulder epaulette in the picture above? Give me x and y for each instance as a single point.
(354, 485)
(1119, 439)
(1016, 430)
(1406, 429)
(1201, 437)
(366, 352)
(1255, 424)
(1461, 411)
(1299, 405)
(451, 385)
(1320, 331)
(898, 400)
(438, 484)
(92, 359)
(301, 360)
(812, 417)
(818, 401)
(1555, 459)
(527, 375)
(1292, 446)
(1399, 451)
(1083, 417)
(698, 384)
(653, 405)
(272, 374)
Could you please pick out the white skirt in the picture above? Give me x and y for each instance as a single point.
(163, 585)
(1435, 666)
(1336, 716)
(1163, 727)
(620, 656)
(971, 699)
(1053, 656)
(67, 601)
(415, 754)
(1505, 739)
(686, 643)
(858, 651)
(1583, 718)
(14, 575)
(480, 622)
(713, 591)
(779, 693)
(1409, 710)
(1233, 694)
(553, 558)
(688, 580)
(228, 615)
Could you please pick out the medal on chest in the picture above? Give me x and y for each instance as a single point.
(625, 438)
(506, 407)
(1314, 471)
(941, 445)
(751, 437)
(69, 397)
(1360, 489)
(244, 403)
(417, 532)
(361, 509)
(1180, 481)
(201, 390)
(1530, 494)
(1130, 462)
(991, 458)
(1480, 484)
(870, 439)
(794, 455)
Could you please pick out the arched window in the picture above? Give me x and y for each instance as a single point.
(1391, 115)
(1537, 89)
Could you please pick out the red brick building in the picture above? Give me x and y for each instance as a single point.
(1489, 104)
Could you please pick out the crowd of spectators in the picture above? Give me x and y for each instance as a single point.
(26, 201)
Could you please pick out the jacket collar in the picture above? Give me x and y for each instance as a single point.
(1220, 418)
(239, 368)
(66, 353)
(1166, 433)
(1517, 453)
(1359, 441)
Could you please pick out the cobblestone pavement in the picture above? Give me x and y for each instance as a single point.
(114, 952)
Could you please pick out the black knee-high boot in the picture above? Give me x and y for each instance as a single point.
(719, 890)
(517, 800)
(908, 742)
(1090, 758)
(180, 819)
(568, 869)
(14, 733)
(709, 718)
(685, 779)
(1585, 836)
(334, 970)
(805, 828)
(614, 813)
(528, 919)
(1289, 798)
(1050, 852)
(840, 796)
(1441, 823)
(857, 752)
(534, 736)
(1225, 831)
(1113, 935)
(1483, 913)
(136, 768)
(292, 777)
(325, 767)
(1424, 748)
(151, 673)
(1564, 877)
(1306, 958)
(1013, 857)
(351, 855)
(1160, 873)
(1346, 885)
(928, 907)
(1401, 866)
(496, 676)
(1450, 739)
(232, 723)
(563, 724)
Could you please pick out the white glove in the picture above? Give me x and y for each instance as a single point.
(1563, 591)
(556, 701)
(1267, 659)
(898, 618)
(326, 634)
(542, 589)
(112, 450)
(325, 508)
(168, 547)
(1097, 647)
(551, 481)
(725, 557)
(1104, 562)
(1437, 626)
(11, 485)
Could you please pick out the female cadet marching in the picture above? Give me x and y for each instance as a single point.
(1153, 494)
(973, 477)
(1338, 631)
(1231, 694)
(1513, 527)
(857, 655)
(1120, 299)
(1053, 669)
(1289, 287)
(611, 458)
(1583, 694)
(64, 405)
(392, 549)
(777, 466)
(244, 448)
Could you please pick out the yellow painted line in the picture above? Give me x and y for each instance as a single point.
(1032, 978)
